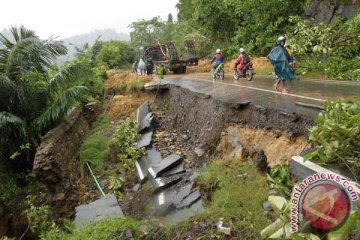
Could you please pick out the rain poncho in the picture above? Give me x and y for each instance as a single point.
(279, 58)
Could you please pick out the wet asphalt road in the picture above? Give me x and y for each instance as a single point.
(308, 98)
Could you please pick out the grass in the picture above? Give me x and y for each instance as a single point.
(135, 86)
(236, 191)
(95, 149)
(107, 229)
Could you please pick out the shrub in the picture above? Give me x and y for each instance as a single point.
(125, 138)
(95, 149)
(337, 134)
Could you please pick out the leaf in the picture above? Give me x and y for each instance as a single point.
(272, 228)
(277, 202)
(343, 232)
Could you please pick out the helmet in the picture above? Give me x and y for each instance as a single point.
(241, 50)
(218, 50)
(281, 38)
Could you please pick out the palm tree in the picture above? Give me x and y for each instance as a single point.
(30, 100)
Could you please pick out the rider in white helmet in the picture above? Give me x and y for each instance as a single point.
(217, 59)
(241, 61)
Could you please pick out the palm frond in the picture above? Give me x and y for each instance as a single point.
(65, 76)
(59, 106)
(10, 93)
(8, 121)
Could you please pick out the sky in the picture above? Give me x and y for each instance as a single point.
(66, 18)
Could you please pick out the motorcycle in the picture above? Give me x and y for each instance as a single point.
(248, 72)
(219, 72)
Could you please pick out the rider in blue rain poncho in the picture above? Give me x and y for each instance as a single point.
(282, 62)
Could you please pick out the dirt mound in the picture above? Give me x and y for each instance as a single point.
(121, 106)
(117, 77)
(205, 66)
(261, 63)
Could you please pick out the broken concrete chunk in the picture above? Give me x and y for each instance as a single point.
(164, 182)
(189, 200)
(145, 140)
(153, 86)
(98, 210)
(142, 165)
(146, 122)
(167, 163)
(178, 169)
(153, 156)
(141, 112)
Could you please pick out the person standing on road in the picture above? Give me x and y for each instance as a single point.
(134, 67)
(282, 62)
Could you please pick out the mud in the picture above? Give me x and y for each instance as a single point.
(195, 124)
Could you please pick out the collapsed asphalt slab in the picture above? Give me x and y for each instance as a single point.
(100, 209)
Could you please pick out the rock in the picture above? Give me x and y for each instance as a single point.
(60, 197)
(185, 137)
(221, 228)
(199, 151)
(266, 206)
(136, 187)
(261, 161)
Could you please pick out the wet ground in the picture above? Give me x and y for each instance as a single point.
(309, 96)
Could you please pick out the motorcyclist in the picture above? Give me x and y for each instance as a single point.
(241, 61)
(217, 59)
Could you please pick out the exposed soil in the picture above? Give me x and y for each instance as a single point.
(195, 122)
(204, 65)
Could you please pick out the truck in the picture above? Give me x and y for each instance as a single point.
(166, 55)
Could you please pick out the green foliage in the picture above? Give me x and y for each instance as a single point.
(281, 227)
(161, 71)
(115, 54)
(116, 185)
(107, 229)
(33, 99)
(125, 138)
(280, 177)
(121, 89)
(95, 148)
(337, 134)
(231, 184)
(333, 47)
(146, 32)
(8, 186)
(40, 218)
(135, 86)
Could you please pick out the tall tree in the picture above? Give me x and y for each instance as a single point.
(30, 99)
(146, 32)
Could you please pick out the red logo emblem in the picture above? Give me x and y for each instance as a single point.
(325, 206)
